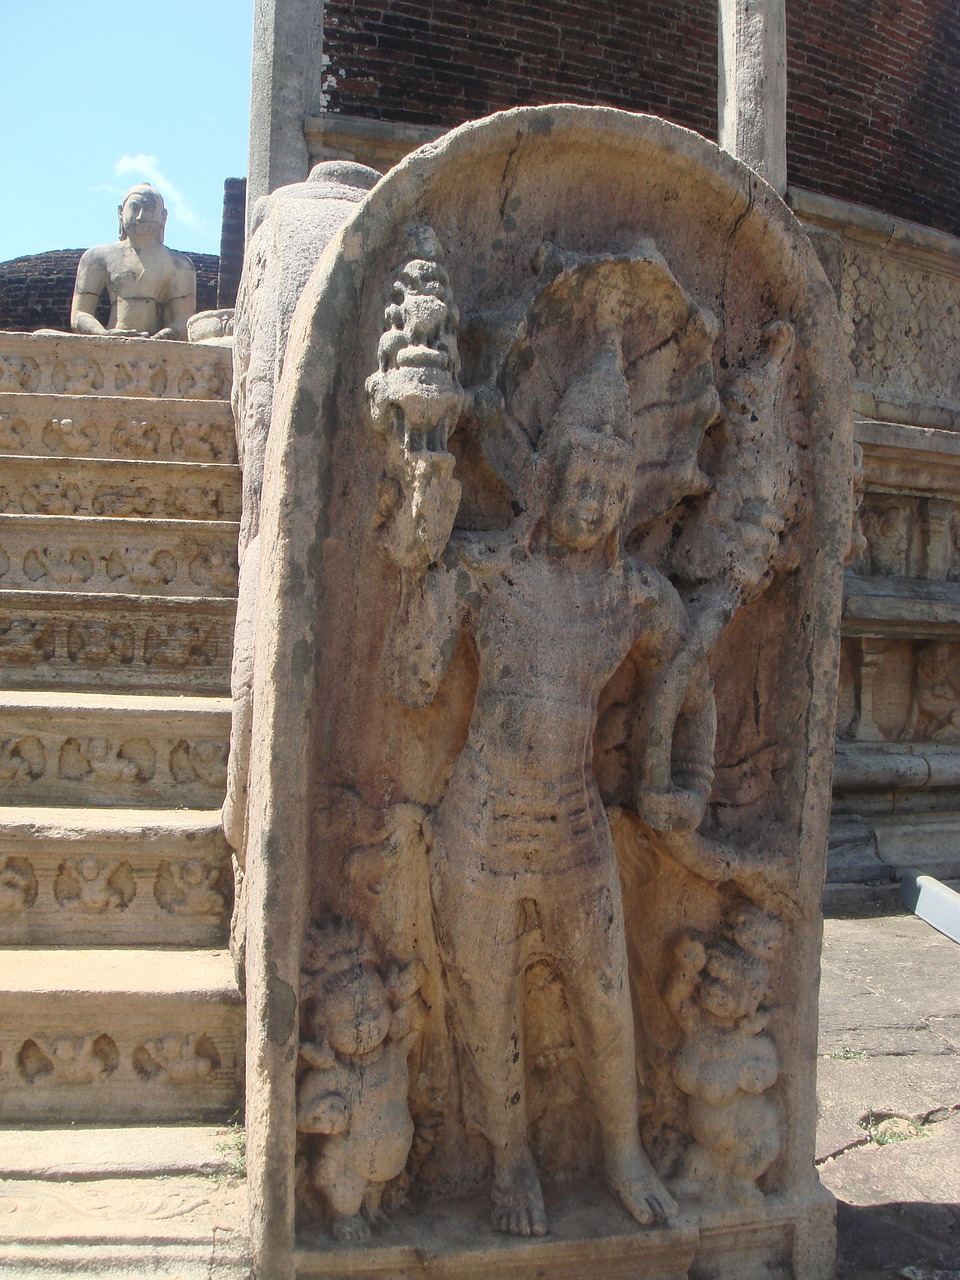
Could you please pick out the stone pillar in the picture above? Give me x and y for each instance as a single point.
(752, 86)
(865, 728)
(285, 88)
(937, 539)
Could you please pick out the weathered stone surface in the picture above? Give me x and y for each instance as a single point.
(134, 1151)
(104, 877)
(555, 502)
(129, 555)
(899, 288)
(129, 643)
(116, 427)
(113, 749)
(152, 289)
(79, 365)
(119, 1035)
(289, 230)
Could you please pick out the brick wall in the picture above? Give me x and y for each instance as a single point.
(36, 291)
(873, 113)
(232, 236)
(427, 62)
(874, 85)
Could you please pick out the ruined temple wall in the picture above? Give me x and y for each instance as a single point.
(872, 117)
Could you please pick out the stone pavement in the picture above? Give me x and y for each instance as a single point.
(888, 1139)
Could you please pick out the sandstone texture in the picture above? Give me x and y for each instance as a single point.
(555, 499)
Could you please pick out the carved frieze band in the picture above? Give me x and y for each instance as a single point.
(87, 643)
(907, 536)
(58, 496)
(196, 379)
(113, 761)
(903, 323)
(92, 1057)
(899, 690)
(125, 566)
(33, 432)
(91, 884)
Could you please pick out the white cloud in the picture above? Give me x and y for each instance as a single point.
(146, 168)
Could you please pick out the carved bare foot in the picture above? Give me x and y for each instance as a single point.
(350, 1228)
(372, 1211)
(633, 1180)
(517, 1199)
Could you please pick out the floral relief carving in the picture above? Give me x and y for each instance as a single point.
(180, 646)
(26, 640)
(76, 376)
(63, 565)
(135, 439)
(204, 442)
(903, 322)
(19, 375)
(134, 760)
(205, 760)
(68, 1059)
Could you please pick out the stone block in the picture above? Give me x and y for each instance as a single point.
(101, 426)
(113, 877)
(113, 750)
(120, 1035)
(107, 554)
(75, 364)
(523, 813)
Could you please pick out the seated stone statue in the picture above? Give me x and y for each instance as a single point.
(152, 289)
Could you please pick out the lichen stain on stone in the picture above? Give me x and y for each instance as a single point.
(281, 1010)
(304, 413)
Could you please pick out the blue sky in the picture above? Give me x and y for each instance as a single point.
(98, 95)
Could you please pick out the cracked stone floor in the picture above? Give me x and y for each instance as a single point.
(888, 1088)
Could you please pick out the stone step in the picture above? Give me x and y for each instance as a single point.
(109, 487)
(119, 1036)
(97, 1151)
(117, 427)
(104, 553)
(73, 364)
(113, 750)
(190, 1227)
(171, 644)
(113, 877)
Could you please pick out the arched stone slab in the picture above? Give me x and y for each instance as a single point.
(555, 502)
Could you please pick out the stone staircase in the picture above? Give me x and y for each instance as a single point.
(119, 497)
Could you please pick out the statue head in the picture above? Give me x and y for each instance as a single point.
(142, 214)
(592, 461)
(343, 997)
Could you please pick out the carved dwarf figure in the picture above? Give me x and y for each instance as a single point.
(94, 885)
(935, 711)
(727, 1060)
(523, 863)
(152, 289)
(358, 1027)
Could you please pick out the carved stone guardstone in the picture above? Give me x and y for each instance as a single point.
(555, 501)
